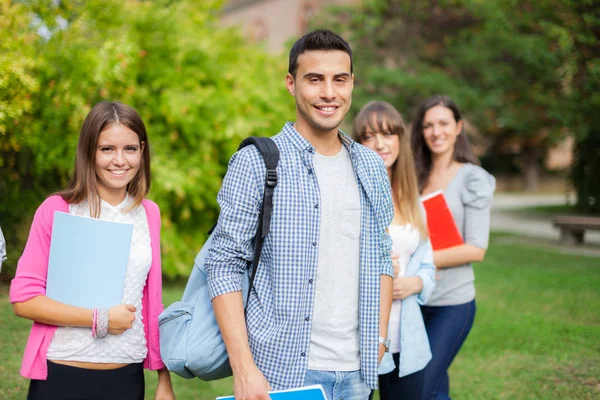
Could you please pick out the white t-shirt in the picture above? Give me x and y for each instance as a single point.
(405, 242)
(334, 340)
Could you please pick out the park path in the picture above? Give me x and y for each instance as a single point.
(507, 216)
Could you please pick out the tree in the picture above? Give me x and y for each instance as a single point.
(18, 88)
(506, 63)
(199, 88)
(583, 88)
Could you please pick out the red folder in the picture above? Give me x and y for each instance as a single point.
(443, 232)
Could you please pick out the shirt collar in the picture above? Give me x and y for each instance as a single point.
(120, 208)
(304, 145)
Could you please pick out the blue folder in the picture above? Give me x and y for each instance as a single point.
(314, 392)
(88, 261)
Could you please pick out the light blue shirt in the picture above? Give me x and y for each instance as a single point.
(415, 352)
(280, 310)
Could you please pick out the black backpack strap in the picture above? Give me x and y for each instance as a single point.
(270, 154)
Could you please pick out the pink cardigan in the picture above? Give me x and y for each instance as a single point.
(30, 281)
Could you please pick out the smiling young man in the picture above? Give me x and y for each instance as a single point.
(319, 308)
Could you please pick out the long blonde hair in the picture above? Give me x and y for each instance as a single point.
(380, 116)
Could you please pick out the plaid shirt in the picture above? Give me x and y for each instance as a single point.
(283, 294)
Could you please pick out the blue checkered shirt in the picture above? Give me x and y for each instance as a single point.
(283, 294)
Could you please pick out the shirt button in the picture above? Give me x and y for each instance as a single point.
(310, 150)
(314, 243)
(303, 354)
(310, 171)
(306, 319)
(316, 206)
(310, 281)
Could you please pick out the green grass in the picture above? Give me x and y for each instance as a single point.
(549, 210)
(536, 333)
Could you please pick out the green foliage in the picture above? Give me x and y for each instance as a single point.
(200, 89)
(492, 57)
(525, 73)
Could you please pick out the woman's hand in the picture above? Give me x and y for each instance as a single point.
(406, 286)
(120, 318)
(164, 391)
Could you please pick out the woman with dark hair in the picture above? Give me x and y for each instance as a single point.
(445, 161)
(380, 127)
(74, 352)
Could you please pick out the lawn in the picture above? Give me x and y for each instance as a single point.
(547, 210)
(536, 334)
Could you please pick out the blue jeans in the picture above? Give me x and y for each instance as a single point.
(339, 385)
(447, 328)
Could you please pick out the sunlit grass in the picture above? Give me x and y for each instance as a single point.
(536, 333)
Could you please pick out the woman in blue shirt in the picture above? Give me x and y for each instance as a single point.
(380, 127)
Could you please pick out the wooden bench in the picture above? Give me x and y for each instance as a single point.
(573, 227)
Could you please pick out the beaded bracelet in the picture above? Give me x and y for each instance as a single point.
(102, 323)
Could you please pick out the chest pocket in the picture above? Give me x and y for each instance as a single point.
(349, 219)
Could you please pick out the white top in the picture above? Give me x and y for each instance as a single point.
(77, 344)
(334, 340)
(406, 240)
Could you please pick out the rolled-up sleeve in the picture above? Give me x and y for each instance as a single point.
(426, 272)
(232, 245)
(386, 214)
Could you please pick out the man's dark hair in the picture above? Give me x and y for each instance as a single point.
(321, 39)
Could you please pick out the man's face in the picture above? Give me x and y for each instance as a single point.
(323, 90)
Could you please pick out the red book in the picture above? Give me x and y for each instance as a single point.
(443, 232)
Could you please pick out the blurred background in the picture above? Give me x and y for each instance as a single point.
(206, 74)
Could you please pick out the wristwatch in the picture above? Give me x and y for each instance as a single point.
(385, 342)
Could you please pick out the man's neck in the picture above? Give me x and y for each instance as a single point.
(326, 143)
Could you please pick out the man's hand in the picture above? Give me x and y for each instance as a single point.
(250, 384)
(407, 286)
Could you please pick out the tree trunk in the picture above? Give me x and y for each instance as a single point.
(531, 169)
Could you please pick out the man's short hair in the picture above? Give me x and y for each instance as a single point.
(321, 39)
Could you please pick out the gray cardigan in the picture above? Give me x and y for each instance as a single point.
(469, 197)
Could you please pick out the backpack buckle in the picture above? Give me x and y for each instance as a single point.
(271, 178)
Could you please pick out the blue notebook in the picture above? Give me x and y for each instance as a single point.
(313, 392)
(88, 260)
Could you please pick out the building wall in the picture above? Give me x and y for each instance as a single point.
(273, 22)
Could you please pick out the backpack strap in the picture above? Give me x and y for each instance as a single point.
(270, 154)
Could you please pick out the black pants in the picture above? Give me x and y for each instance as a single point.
(392, 387)
(71, 383)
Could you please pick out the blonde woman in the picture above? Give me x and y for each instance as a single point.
(380, 127)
